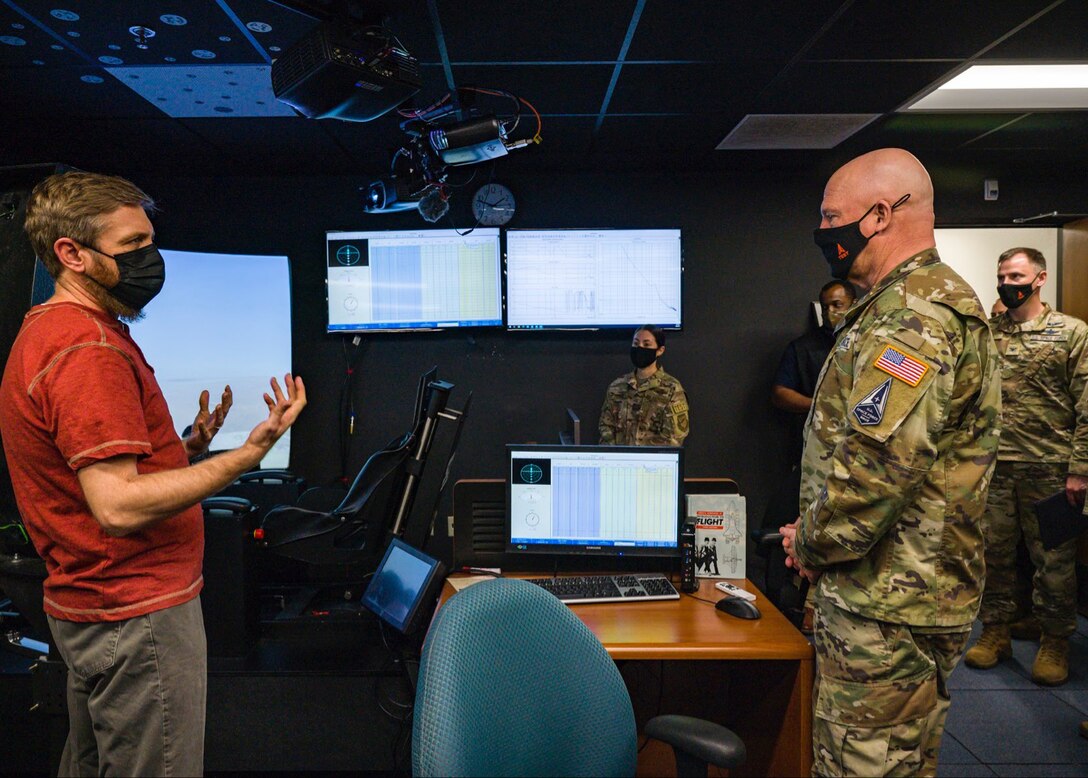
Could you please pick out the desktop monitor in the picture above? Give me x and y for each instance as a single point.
(591, 279)
(601, 500)
(405, 584)
(413, 280)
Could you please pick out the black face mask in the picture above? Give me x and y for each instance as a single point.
(1015, 295)
(143, 272)
(643, 357)
(841, 245)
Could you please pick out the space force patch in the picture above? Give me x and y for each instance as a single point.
(870, 411)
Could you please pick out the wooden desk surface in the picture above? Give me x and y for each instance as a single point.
(690, 628)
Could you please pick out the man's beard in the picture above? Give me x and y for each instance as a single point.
(111, 304)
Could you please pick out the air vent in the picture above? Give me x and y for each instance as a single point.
(794, 131)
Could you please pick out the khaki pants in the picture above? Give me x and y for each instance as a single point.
(881, 696)
(137, 693)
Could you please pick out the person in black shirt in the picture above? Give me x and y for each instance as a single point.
(803, 359)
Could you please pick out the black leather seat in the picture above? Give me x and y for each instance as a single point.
(351, 530)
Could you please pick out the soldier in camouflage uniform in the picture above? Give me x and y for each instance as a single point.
(899, 449)
(647, 407)
(1044, 449)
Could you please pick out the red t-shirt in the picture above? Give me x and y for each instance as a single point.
(78, 390)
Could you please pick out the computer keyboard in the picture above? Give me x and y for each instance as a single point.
(637, 587)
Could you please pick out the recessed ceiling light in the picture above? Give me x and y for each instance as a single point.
(1010, 88)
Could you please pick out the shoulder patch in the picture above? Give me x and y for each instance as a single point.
(870, 410)
(900, 365)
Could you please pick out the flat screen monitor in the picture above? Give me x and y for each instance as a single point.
(413, 280)
(603, 500)
(404, 586)
(590, 279)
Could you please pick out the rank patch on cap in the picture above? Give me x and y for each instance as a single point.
(906, 368)
(870, 411)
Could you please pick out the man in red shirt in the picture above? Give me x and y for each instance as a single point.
(105, 487)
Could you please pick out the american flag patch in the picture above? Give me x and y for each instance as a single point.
(895, 363)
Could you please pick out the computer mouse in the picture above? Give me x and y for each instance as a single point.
(735, 606)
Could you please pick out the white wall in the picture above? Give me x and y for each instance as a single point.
(973, 254)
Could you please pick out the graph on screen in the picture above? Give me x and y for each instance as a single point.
(612, 502)
(413, 279)
(593, 278)
(606, 497)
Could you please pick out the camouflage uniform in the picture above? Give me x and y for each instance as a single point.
(1044, 436)
(651, 412)
(899, 449)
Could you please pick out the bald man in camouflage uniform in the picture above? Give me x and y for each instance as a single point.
(646, 407)
(1044, 449)
(899, 449)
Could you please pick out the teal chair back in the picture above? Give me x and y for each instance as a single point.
(512, 683)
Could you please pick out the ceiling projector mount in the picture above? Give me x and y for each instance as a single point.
(454, 131)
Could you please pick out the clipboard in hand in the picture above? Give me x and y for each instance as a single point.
(1058, 520)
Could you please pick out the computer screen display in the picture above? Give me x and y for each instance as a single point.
(587, 279)
(413, 280)
(405, 583)
(607, 500)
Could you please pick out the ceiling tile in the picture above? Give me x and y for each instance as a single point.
(844, 87)
(1061, 34)
(664, 134)
(690, 88)
(197, 32)
(69, 94)
(556, 30)
(223, 91)
(713, 32)
(877, 29)
(552, 89)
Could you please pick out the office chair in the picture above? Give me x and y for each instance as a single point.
(512, 683)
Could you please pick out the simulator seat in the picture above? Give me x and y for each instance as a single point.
(351, 529)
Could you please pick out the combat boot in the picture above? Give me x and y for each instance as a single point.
(1051, 667)
(993, 645)
(1027, 628)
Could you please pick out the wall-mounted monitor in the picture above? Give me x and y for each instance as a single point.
(601, 500)
(589, 279)
(413, 280)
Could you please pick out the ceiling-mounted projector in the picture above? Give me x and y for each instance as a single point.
(333, 73)
(390, 194)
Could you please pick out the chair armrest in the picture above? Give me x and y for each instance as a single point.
(697, 741)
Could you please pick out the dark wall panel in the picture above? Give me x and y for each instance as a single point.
(750, 270)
